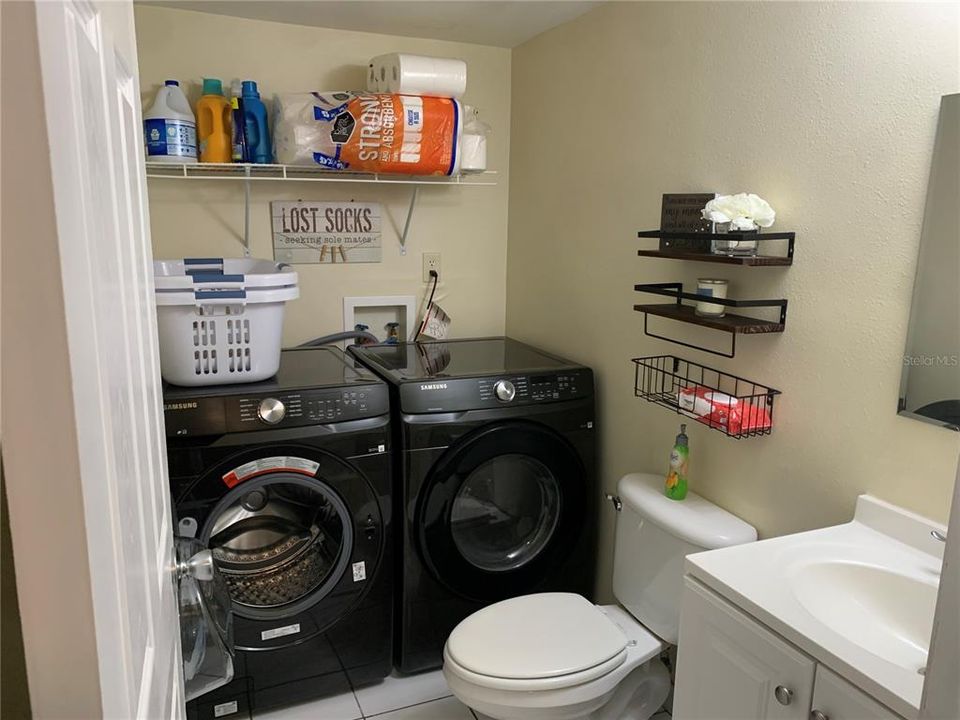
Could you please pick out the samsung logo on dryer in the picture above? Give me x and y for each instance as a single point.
(434, 386)
(180, 406)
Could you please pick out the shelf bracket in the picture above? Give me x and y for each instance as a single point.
(406, 224)
(733, 341)
(246, 210)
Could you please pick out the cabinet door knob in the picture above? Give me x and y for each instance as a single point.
(784, 695)
(817, 715)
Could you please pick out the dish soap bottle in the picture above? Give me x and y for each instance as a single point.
(256, 135)
(676, 488)
(214, 123)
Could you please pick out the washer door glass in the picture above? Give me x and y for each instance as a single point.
(501, 509)
(505, 512)
(281, 542)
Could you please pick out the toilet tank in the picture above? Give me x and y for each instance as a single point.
(654, 535)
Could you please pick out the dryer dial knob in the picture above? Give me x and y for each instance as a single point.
(504, 390)
(271, 411)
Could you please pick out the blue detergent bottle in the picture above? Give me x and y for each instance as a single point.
(257, 135)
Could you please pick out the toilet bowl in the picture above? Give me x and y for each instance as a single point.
(557, 656)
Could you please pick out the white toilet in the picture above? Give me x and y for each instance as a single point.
(557, 656)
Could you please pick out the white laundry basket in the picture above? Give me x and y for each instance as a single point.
(221, 320)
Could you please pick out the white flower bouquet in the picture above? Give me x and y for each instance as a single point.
(744, 212)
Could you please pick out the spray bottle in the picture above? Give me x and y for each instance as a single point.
(676, 487)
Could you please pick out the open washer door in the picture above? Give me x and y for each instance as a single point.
(206, 620)
(500, 509)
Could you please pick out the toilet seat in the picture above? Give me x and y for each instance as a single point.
(556, 682)
(545, 641)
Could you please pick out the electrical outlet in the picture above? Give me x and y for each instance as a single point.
(431, 261)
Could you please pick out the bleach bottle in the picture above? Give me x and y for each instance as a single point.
(170, 128)
(256, 134)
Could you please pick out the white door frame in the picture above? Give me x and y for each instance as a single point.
(84, 449)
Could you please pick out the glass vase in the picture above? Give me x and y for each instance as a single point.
(733, 247)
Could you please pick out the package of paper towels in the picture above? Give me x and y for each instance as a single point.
(417, 75)
(369, 132)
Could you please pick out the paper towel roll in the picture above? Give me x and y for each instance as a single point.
(417, 75)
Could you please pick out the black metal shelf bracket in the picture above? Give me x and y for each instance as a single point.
(733, 341)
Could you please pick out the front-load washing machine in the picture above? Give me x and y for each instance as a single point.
(288, 483)
(496, 490)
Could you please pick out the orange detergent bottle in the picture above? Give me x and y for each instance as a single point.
(214, 124)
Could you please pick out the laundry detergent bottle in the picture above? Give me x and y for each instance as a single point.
(214, 124)
(256, 135)
(239, 153)
(676, 487)
(170, 128)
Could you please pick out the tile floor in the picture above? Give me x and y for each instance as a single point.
(413, 697)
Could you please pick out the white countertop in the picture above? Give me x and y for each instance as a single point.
(762, 579)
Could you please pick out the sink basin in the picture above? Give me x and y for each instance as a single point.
(887, 613)
(859, 598)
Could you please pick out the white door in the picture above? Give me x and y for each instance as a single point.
(729, 667)
(92, 103)
(836, 699)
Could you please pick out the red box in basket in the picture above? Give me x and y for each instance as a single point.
(720, 410)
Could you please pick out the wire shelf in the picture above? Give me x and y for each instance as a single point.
(303, 173)
(735, 406)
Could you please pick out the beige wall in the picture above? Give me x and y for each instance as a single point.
(826, 110)
(468, 225)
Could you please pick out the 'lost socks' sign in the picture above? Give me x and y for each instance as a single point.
(311, 232)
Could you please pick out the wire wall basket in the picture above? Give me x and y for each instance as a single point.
(735, 406)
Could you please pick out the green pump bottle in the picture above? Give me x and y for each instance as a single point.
(676, 487)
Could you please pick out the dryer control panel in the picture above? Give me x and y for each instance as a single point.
(220, 414)
(452, 395)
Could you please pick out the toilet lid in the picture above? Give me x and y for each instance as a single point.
(535, 636)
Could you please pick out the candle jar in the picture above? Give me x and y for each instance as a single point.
(712, 287)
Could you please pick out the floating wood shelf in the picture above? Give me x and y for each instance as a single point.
(745, 260)
(729, 323)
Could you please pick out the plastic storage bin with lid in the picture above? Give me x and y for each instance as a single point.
(221, 320)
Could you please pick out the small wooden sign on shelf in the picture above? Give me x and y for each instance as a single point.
(682, 212)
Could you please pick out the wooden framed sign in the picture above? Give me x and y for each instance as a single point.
(316, 232)
(682, 212)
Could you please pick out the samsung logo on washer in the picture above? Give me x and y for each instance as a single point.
(434, 386)
(180, 406)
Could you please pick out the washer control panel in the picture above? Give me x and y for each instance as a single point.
(306, 407)
(442, 395)
(238, 413)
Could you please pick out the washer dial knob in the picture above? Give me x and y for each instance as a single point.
(271, 411)
(504, 390)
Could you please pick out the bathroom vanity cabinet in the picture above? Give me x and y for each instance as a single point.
(731, 667)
